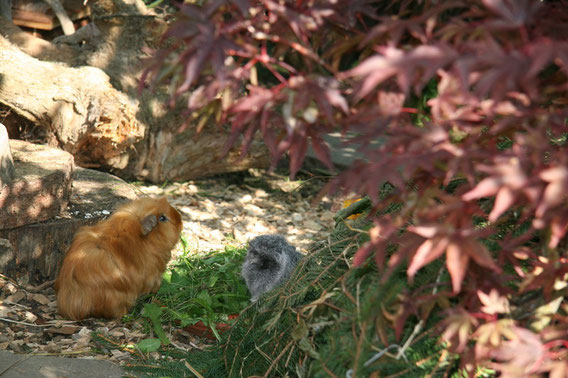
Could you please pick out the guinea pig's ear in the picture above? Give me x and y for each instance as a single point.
(148, 224)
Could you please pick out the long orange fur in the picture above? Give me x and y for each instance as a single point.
(110, 264)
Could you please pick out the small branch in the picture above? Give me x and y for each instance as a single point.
(192, 369)
(26, 324)
(275, 361)
(123, 15)
(36, 289)
(64, 20)
(66, 353)
(418, 327)
(86, 33)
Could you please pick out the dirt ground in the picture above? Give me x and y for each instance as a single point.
(220, 211)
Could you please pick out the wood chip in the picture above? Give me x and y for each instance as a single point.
(30, 317)
(66, 330)
(40, 298)
(16, 297)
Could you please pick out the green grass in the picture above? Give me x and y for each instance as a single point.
(197, 287)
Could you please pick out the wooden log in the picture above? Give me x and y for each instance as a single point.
(41, 187)
(154, 151)
(37, 249)
(88, 117)
(7, 171)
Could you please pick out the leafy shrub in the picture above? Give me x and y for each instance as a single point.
(468, 100)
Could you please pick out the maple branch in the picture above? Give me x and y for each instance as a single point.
(298, 47)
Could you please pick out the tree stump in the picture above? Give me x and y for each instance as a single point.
(32, 253)
(41, 187)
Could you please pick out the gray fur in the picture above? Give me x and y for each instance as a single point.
(269, 262)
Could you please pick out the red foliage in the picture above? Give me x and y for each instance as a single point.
(490, 125)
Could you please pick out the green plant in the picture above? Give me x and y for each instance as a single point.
(200, 287)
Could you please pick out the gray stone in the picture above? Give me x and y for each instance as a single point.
(29, 366)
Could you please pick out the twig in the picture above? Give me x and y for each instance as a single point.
(124, 15)
(17, 305)
(61, 353)
(275, 361)
(24, 323)
(64, 20)
(415, 331)
(351, 228)
(192, 369)
(8, 279)
(36, 289)
(420, 324)
(177, 346)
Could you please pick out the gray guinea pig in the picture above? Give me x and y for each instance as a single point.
(269, 262)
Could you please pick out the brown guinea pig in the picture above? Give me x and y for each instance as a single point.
(113, 262)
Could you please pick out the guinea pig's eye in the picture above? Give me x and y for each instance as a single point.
(162, 218)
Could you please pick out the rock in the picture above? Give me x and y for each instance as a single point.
(192, 189)
(52, 348)
(312, 225)
(259, 193)
(239, 235)
(253, 210)
(216, 236)
(328, 216)
(297, 217)
(246, 198)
